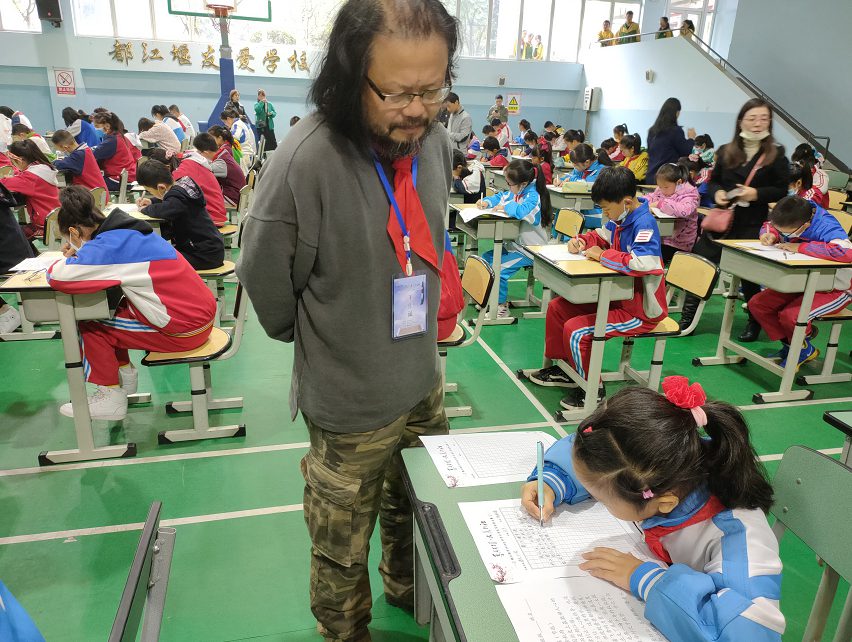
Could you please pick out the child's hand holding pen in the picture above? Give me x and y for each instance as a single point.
(529, 500)
(768, 239)
(576, 245)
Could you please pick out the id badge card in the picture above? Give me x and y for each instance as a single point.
(409, 305)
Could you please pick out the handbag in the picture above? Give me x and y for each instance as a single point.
(719, 220)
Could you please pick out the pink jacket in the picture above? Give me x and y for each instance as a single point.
(683, 204)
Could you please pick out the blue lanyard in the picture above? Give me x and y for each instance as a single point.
(406, 239)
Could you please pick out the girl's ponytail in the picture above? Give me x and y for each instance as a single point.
(734, 472)
(523, 171)
(544, 198)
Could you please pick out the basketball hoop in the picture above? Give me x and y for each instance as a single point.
(221, 10)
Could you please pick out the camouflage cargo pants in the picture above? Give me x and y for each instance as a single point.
(350, 479)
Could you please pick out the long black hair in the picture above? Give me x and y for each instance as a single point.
(29, 151)
(640, 441)
(523, 171)
(574, 136)
(337, 89)
(108, 118)
(69, 115)
(633, 141)
(460, 160)
(801, 172)
(77, 209)
(217, 131)
(673, 172)
(621, 129)
(733, 154)
(666, 119)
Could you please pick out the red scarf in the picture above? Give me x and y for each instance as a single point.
(409, 204)
(653, 536)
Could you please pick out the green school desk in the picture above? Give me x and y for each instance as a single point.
(499, 230)
(452, 589)
(43, 303)
(789, 276)
(842, 420)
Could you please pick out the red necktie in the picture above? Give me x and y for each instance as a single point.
(655, 534)
(409, 204)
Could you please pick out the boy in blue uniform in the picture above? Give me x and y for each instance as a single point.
(628, 243)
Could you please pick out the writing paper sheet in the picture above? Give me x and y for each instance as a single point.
(576, 609)
(515, 548)
(560, 253)
(772, 252)
(469, 213)
(485, 458)
(38, 263)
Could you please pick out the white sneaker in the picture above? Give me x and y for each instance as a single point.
(503, 311)
(105, 403)
(10, 320)
(129, 378)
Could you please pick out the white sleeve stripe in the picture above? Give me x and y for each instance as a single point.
(765, 613)
(557, 483)
(650, 578)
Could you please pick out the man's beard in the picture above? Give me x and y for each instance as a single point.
(389, 149)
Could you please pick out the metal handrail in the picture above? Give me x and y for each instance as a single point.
(735, 74)
(616, 39)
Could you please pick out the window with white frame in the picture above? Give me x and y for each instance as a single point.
(567, 18)
(19, 15)
(700, 12)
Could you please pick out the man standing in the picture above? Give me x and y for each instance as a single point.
(341, 255)
(459, 125)
(498, 111)
(629, 31)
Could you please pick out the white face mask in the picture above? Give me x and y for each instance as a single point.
(623, 215)
(754, 136)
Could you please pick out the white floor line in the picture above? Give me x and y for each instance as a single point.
(794, 404)
(461, 431)
(122, 528)
(778, 457)
(109, 463)
(535, 402)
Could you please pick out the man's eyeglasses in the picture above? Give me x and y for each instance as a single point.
(403, 99)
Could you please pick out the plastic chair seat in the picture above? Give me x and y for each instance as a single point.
(217, 343)
(456, 338)
(843, 315)
(228, 230)
(225, 269)
(666, 328)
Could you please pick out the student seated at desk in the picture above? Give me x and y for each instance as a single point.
(799, 226)
(699, 175)
(79, 161)
(629, 243)
(158, 133)
(193, 164)
(587, 165)
(181, 203)
(493, 153)
(22, 132)
(572, 138)
(529, 201)
(81, 129)
(14, 248)
(160, 113)
(184, 120)
(703, 148)
(677, 196)
(115, 153)
(166, 306)
(474, 149)
(802, 184)
(701, 502)
(542, 160)
(224, 167)
(468, 177)
(530, 141)
(806, 156)
(35, 180)
(635, 159)
(242, 134)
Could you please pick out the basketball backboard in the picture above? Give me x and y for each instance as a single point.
(258, 10)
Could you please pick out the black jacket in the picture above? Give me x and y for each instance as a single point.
(666, 147)
(14, 246)
(191, 229)
(771, 183)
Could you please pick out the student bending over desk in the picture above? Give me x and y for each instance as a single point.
(802, 226)
(629, 243)
(701, 502)
(36, 181)
(529, 201)
(166, 306)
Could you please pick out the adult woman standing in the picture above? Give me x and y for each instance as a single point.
(264, 117)
(666, 142)
(687, 29)
(753, 152)
(234, 103)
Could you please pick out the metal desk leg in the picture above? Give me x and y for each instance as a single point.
(77, 388)
(720, 358)
(27, 331)
(494, 299)
(827, 375)
(785, 391)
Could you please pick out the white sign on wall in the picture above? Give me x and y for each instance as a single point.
(64, 81)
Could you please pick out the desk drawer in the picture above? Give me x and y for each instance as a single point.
(779, 277)
(41, 306)
(580, 289)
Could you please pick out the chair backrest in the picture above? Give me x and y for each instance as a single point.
(478, 279)
(122, 187)
(6, 170)
(52, 237)
(251, 177)
(184, 144)
(569, 222)
(693, 273)
(844, 218)
(240, 311)
(811, 491)
(101, 197)
(243, 203)
(836, 199)
(836, 178)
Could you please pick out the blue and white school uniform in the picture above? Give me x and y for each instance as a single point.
(724, 579)
(525, 206)
(176, 127)
(593, 216)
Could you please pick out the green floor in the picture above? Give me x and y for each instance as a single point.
(240, 568)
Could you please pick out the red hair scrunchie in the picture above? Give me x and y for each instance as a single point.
(682, 394)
